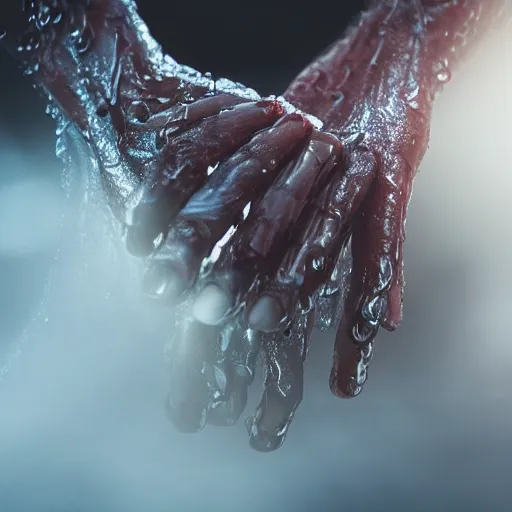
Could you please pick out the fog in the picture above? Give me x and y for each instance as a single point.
(82, 425)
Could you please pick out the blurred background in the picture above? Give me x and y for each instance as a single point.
(82, 426)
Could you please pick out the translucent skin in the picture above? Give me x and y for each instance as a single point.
(314, 212)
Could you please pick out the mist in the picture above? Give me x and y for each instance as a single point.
(82, 423)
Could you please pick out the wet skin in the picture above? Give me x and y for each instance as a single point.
(258, 217)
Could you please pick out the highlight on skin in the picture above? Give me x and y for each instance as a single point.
(258, 218)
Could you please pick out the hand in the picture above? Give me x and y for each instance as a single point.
(256, 218)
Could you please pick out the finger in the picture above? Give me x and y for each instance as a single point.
(187, 360)
(283, 384)
(312, 258)
(377, 247)
(153, 120)
(183, 164)
(355, 335)
(376, 255)
(220, 203)
(259, 241)
(154, 115)
(394, 311)
(234, 372)
(331, 296)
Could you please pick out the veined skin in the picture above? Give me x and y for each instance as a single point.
(258, 217)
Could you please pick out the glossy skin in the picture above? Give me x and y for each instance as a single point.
(255, 219)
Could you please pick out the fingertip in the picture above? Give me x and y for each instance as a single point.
(211, 305)
(350, 365)
(161, 282)
(139, 244)
(266, 314)
(343, 385)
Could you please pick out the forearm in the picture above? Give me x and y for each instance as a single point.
(404, 48)
(453, 27)
(378, 83)
(95, 66)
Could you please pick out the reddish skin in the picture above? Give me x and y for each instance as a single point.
(373, 90)
(378, 84)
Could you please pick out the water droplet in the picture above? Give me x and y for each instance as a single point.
(442, 72)
(31, 69)
(318, 264)
(44, 17)
(247, 210)
(385, 273)
(362, 367)
(58, 18)
(444, 76)
(363, 332)
(211, 169)
(372, 310)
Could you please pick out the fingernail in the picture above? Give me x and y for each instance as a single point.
(266, 314)
(137, 244)
(211, 305)
(161, 282)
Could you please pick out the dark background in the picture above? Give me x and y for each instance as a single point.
(81, 421)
